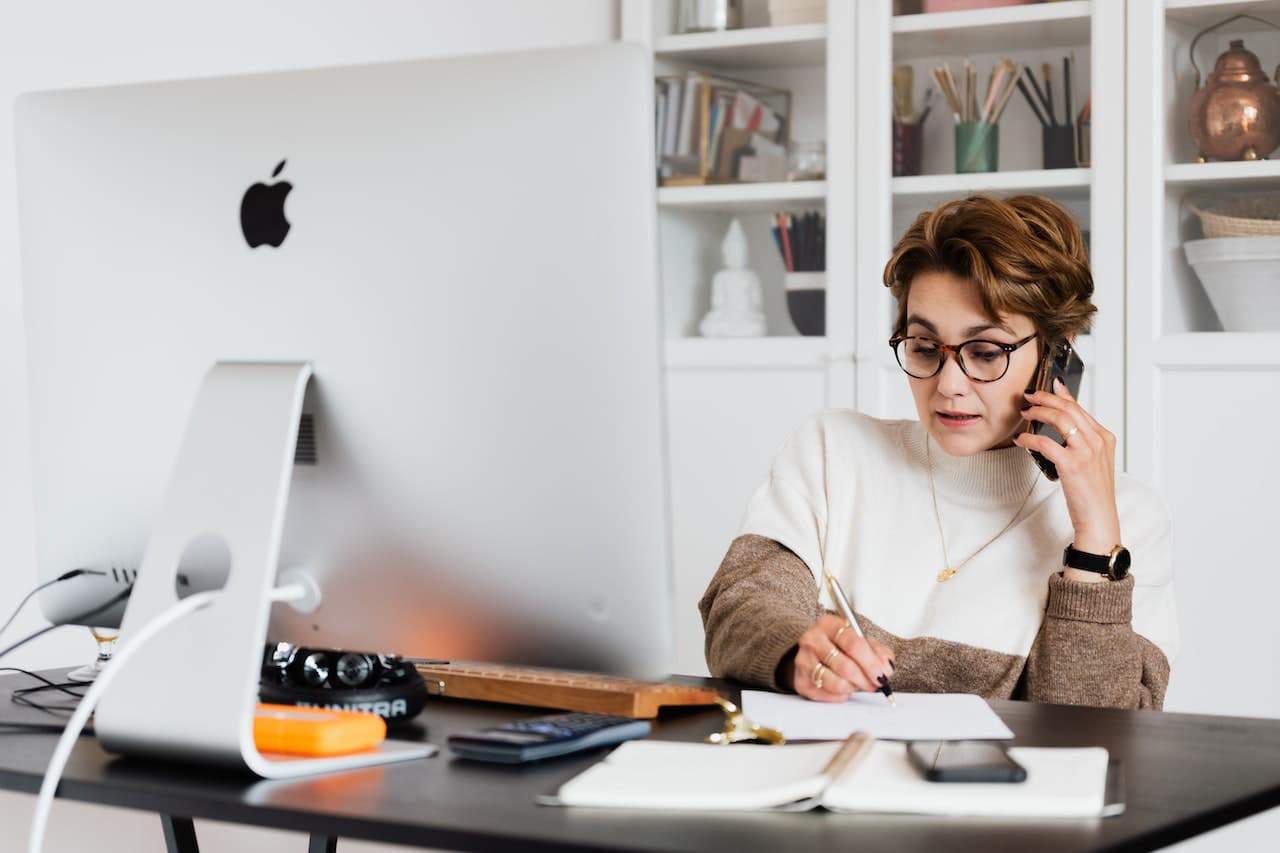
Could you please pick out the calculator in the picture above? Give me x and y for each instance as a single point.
(543, 737)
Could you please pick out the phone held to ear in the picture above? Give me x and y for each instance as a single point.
(964, 761)
(1063, 363)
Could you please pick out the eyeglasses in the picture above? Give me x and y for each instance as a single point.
(981, 361)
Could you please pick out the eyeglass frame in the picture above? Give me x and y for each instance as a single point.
(955, 352)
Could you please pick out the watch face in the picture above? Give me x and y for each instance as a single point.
(1121, 567)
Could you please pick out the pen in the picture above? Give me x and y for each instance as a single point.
(837, 593)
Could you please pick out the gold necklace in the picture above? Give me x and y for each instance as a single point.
(948, 571)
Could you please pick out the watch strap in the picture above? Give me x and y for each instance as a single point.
(1101, 564)
(1077, 559)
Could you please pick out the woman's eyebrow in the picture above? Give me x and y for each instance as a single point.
(972, 330)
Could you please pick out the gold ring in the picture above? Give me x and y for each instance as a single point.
(843, 628)
(827, 660)
(816, 675)
(1070, 433)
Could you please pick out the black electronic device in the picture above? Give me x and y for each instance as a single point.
(1059, 362)
(964, 761)
(543, 737)
(386, 685)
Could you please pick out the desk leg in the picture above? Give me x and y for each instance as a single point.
(179, 834)
(323, 844)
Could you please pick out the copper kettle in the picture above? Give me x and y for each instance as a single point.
(1236, 114)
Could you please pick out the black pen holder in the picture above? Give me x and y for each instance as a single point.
(1059, 146)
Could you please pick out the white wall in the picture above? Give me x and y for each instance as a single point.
(64, 43)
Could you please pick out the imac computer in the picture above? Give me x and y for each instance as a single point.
(432, 283)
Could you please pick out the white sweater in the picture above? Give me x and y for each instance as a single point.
(851, 492)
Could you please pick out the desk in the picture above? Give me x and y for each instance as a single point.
(1184, 774)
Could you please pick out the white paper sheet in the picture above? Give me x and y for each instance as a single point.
(1060, 783)
(917, 716)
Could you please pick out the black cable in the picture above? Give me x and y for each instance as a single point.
(19, 697)
(77, 619)
(48, 685)
(65, 576)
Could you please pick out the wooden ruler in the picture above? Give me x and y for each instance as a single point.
(552, 688)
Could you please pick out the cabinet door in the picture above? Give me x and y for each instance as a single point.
(1219, 465)
(724, 427)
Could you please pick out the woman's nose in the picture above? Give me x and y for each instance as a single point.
(952, 378)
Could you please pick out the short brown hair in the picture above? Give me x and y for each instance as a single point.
(1025, 255)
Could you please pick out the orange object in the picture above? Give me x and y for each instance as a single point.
(293, 730)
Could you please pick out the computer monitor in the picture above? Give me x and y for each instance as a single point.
(464, 249)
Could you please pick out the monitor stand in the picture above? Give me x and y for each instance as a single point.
(190, 693)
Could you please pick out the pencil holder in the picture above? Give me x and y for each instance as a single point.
(908, 146)
(977, 147)
(807, 301)
(1058, 143)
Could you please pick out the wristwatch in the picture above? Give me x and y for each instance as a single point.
(1114, 565)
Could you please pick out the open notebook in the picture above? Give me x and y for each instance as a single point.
(857, 775)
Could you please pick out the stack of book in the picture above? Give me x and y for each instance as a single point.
(714, 130)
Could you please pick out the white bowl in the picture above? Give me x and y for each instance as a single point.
(1242, 277)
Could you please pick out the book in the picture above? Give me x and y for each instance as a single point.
(856, 775)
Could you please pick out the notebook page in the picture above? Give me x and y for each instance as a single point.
(916, 716)
(1060, 783)
(698, 776)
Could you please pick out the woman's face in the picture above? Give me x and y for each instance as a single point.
(946, 308)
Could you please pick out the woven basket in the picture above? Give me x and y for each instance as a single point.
(1242, 216)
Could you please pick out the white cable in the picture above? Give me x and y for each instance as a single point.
(62, 752)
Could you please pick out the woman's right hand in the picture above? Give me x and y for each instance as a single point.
(858, 665)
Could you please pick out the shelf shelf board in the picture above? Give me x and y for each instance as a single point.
(1201, 13)
(753, 47)
(743, 197)
(1241, 172)
(794, 352)
(1065, 182)
(1040, 25)
(1219, 351)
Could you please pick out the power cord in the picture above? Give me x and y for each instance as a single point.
(65, 576)
(19, 697)
(77, 619)
(130, 643)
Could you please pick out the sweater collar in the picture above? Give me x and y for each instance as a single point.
(986, 478)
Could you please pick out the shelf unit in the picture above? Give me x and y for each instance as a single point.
(732, 401)
(1094, 31)
(1172, 326)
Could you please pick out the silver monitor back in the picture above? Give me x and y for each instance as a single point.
(470, 266)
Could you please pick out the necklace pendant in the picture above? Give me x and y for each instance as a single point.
(946, 574)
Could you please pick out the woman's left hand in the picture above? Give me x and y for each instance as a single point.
(1086, 467)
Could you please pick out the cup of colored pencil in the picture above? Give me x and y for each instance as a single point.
(908, 125)
(1061, 140)
(977, 117)
(802, 242)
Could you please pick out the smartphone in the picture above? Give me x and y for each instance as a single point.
(1059, 362)
(964, 761)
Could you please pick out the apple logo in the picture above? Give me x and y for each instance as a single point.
(262, 212)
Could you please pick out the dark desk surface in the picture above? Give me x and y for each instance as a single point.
(1184, 774)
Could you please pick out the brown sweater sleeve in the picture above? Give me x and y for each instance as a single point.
(1087, 653)
(761, 599)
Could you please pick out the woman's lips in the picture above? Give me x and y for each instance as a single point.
(958, 422)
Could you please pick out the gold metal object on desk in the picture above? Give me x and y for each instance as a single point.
(1236, 114)
(738, 728)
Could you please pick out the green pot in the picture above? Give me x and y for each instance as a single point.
(977, 147)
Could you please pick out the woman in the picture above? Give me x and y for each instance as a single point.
(944, 533)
